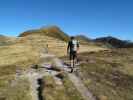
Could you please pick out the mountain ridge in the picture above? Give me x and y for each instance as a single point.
(56, 32)
(52, 31)
(114, 42)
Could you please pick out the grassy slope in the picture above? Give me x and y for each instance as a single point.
(52, 31)
(26, 50)
(13, 57)
(11, 89)
(22, 53)
(7, 40)
(108, 74)
(67, 91)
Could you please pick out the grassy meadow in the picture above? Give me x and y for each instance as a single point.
(108, 74)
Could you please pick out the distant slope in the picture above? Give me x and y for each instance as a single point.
(55, 39)
(83, 39)
(52, 31)
(114, 42)
(4, 40)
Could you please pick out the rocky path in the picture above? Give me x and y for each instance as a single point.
(86, 94)
(33, 75)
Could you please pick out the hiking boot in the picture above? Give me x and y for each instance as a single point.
(71, 70)
(77, 64)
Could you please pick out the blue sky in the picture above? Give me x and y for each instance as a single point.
(94, 18)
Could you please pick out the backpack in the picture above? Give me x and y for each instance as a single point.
(74, 45)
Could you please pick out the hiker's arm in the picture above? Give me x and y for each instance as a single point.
(68, 47)
(78, 46)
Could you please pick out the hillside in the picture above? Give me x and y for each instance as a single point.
(114, 42)
(83, 39)
(107, 74)
(4, 40)
(25, 51)
(52, 31)
(100, 70)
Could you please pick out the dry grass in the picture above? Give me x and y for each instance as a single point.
(24, 52)
(11, 89)
(108, 74)
(66, 91)
(17, 55)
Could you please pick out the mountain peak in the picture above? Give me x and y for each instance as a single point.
(50, 26)
(52, 31)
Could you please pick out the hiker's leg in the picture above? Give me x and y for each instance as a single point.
(71, 63)
(75, 61)
(71, 59)
(75, 58)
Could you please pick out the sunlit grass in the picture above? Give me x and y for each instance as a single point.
(107, 75)
(66, 91)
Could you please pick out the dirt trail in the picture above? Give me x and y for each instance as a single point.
(86, 94)
(33, 75)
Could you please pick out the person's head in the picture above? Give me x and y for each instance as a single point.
(72, 37)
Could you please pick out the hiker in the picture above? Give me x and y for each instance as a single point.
(46, 48)
(72, 49)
